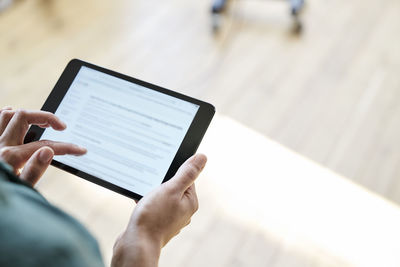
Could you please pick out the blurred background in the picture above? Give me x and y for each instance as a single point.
(304, 153)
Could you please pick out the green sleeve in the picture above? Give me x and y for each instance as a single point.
(35, 233)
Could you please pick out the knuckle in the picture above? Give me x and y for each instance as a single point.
(5, 114)
(191, 172)
(45, 142)
(187, 223)
(3, 109)
(5, 153)
(195, 207)
(195, 204)
(195, 167)
(20, 113)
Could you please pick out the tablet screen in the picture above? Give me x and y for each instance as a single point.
(132, 133)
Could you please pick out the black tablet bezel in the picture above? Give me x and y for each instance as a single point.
(187, 148)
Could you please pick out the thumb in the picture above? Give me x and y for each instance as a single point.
(188, 172)
(37, 165)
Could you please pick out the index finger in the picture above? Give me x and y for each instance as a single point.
(19, 124)
(16, 156)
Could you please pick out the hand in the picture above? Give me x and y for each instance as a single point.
(34, 157)
(159, 216)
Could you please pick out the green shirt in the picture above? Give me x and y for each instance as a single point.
(35, 233)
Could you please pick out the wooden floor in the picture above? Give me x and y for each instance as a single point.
(330, 94)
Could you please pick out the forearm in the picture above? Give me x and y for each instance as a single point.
(134, 251)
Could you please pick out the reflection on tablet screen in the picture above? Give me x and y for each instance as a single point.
(132, 133)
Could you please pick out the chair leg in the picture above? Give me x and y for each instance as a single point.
(296, 6)
(218, 6)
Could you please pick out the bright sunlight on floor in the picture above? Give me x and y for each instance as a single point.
(258, 200)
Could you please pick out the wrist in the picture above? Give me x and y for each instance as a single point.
(136, 249)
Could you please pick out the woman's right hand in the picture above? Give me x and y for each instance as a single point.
(159, 216)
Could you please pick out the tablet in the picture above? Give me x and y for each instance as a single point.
(137, 134)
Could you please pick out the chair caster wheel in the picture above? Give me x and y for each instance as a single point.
(216, 21)
(297, 27)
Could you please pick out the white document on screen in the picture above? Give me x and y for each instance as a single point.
(132, 133)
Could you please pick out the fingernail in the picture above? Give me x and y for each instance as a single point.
(82, 149)
(201, 160)
(64, 125)
(45, 155)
